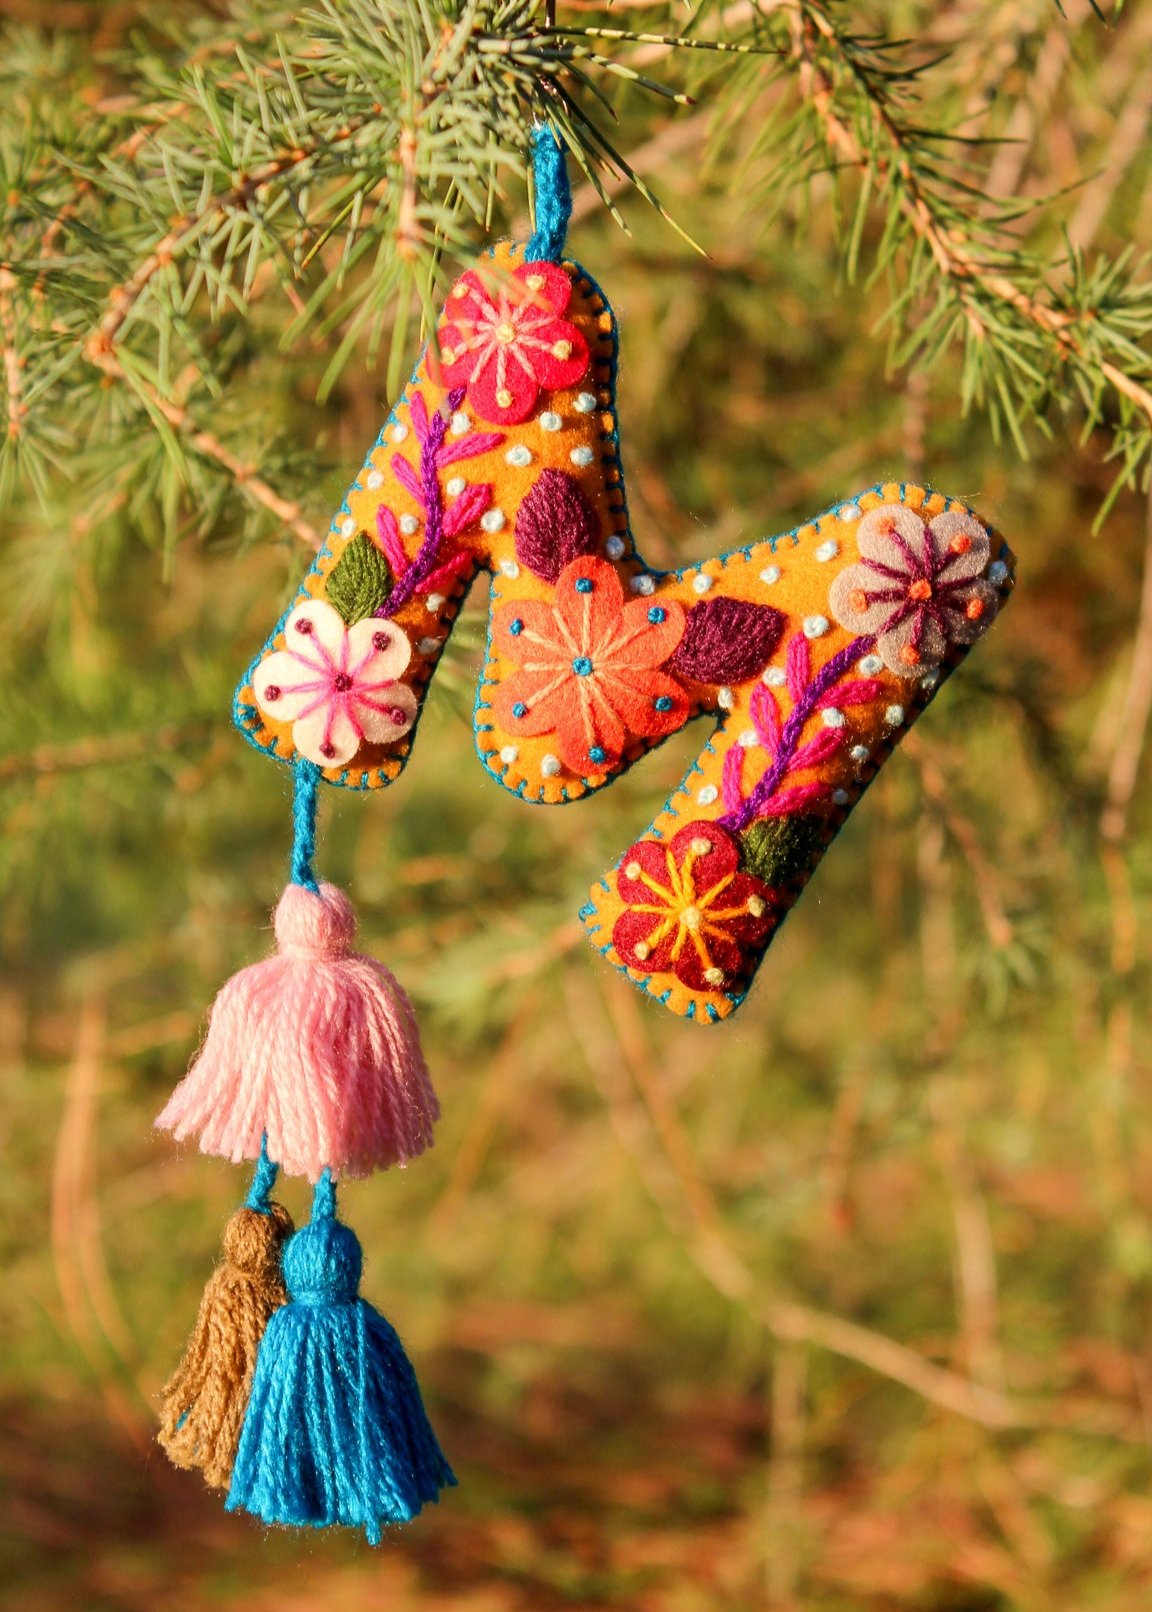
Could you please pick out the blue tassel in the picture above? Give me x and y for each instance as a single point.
(551, 196)
(335, 1430)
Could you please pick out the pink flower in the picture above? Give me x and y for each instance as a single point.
(337, 685)
(504, 338)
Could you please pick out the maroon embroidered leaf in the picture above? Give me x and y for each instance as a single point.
(388, 531)
(825, 744)
(469, 507)
(556, 525)
(858, 691)
(468, 447)
(766, 717)
(799, 666)
(407, 478)
(727, 641)
(793, 800)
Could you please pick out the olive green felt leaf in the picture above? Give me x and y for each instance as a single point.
(360, 581)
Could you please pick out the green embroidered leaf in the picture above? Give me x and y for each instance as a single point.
(780, 850)
(360, 581)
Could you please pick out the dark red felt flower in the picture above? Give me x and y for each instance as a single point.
(690, 912)
(503, 338)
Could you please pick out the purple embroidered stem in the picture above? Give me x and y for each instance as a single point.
(825, 679)
(425, 562)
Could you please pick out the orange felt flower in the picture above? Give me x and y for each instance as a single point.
(588, 667)
(505, 339)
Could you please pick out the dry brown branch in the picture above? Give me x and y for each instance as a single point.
(13, 380)
(101, 751)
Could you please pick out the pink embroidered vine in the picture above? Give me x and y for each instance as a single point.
(830, 691)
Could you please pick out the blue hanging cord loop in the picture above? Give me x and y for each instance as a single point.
(324, 1197)
(263, 1180)
(307, 776)
(552, 196)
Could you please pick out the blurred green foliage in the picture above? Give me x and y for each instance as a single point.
(841, 1306)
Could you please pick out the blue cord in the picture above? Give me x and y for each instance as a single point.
(552, 196)
(263, 1180)
(324, 1197)
(307, 775)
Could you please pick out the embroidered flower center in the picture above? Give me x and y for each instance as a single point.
(582, 666)
(341, 682)
(691, 917)
(920, 590)
(506, 332)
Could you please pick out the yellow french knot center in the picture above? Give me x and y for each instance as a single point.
(506, 332)
(691, 917)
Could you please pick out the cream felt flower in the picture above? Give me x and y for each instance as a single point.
(337, 685)
(918, 587)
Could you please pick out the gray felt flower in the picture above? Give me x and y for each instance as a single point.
(919, 587)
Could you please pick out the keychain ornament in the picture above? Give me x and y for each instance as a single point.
(810, 654)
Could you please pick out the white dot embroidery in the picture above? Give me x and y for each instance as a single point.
(509, 568)
(859, 752)
(409, 524)
(375, 479)
(701, 583)
(749, 739)
(894, 715)
(770, 574)
(707, 795)
(871, 665)
(493, 520)
(725, 699)
(550, 766)
(614, 547)
(815, 626)
(931, 677)
(774, 677)
(399, 432)
(460, 424)
(519, 455)
(433, 602)
(849, 512)
(829, 550)
(455, 486)
(839, 797)
(832, 718)
(997, 572)
(585, 403)
(347, 527)
(582, 456)
(550, 421)
(428, 646)
(508, 754)
(643, 584)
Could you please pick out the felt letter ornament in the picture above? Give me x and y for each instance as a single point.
(809, 655)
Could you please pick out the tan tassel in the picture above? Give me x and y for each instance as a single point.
(205, 1399)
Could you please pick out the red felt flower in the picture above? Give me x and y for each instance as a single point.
(689, 911)
(504, 338)
(588, 667)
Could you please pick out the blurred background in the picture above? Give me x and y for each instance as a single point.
(844, 1305)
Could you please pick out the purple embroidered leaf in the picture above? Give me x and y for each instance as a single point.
(766, 717)
(388, 532)
(469, 507)
(859, 691)
(793, 800)
(446, 574)
(419, 414)
(407, 478)
(825, 744)
(556, 525)
(731, 784)
(799, 666)
(727, 641)
(476, 442)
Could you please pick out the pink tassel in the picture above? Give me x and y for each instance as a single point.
(317, 1047)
